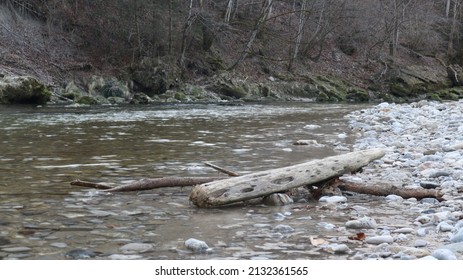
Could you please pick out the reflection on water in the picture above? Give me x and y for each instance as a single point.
(43, 149)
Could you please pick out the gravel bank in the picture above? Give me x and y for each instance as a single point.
(424, 148)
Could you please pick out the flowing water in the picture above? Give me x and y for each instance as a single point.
(43, 149)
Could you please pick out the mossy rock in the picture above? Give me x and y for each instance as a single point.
(357, 95)
(23, 90)
(180, 96)
(87, 100)
(446, 94)
(114, 88)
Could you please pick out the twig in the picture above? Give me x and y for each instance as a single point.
(221, 169)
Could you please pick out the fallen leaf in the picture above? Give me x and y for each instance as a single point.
(358, 236)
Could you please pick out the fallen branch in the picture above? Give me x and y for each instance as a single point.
(221, 169)
(149, 184)
(383, 189)
(90, 185)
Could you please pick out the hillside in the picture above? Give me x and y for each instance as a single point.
(323, 50)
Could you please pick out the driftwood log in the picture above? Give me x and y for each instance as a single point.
(259, 184)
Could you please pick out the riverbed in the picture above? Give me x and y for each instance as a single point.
(43, 149)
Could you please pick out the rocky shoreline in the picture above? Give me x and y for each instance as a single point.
(424, 148)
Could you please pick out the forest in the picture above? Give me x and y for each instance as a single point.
(369, 45)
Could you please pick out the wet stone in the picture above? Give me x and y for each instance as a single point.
(132, 248)
(333, 199)
(197, 246)
(429, 185)
(277, 199)
(59, 245)
(283, 229)
(124, 257)
(362, 223)
(81, 254)
(16, 249)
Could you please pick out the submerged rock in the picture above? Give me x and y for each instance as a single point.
(197, 246)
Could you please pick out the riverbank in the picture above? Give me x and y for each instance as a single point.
(424, 148)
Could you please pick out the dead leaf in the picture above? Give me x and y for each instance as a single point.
(359, 236)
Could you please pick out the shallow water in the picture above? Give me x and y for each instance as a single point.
(43, 149)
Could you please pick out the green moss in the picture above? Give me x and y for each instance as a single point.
(358, 95)
(180, 96)
(233, 91)
(87, 100)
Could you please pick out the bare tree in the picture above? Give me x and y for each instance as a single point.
(265, 12)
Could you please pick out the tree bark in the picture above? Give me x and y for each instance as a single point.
(263, 183)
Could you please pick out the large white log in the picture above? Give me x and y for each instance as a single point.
(263, 183)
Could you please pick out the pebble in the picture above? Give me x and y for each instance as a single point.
(444, 254)
(420, 243)
(454, 247)
(444, 227)
(404, 230)
(132, 248)
(59, 245)
(338, 248)
(379, 239)
(197, 246)
(81, 254)
(124, 257)
(277, 199)
(333, 199)
(362, 223)
(458, 237)
(16, 249)
(283, 229)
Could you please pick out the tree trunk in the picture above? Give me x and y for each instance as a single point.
(300, 31)
(260, 23)
(228, 12)
(263, 183)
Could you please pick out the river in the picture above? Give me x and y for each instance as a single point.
(43, 149)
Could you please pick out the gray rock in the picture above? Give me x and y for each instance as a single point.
(458, 237)
(362, 223)
(404, 230)
(339, 248)
(420, 243)
(454, 247)
(16, 249)
(444, 227)
(333, 199)
(132, 248)
(444, 254)
(124, 257)
(393, 197)
(197, 246)
(277, 199)
(283, 229)
(81, 254)
(429, 185)
(379, 239)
